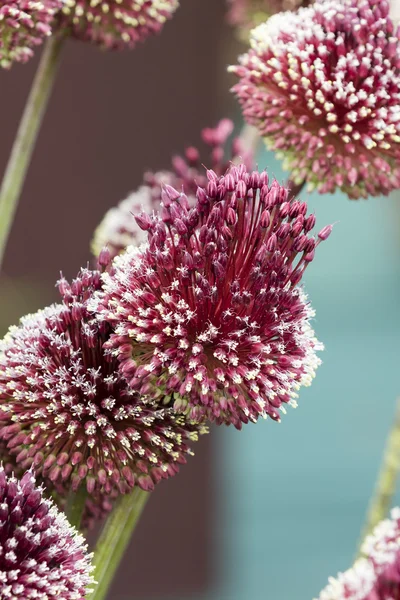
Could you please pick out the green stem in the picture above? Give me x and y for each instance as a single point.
(24, 143)
(114, 539)
(76, 505)
(386, 484)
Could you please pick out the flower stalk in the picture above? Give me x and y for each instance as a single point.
(24, 143)
(386, 484)
(295, 188)
(76, 505)
(115, 538)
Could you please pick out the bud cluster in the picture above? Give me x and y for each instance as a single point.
(115, 24)
(41, 556)
(209, 317)
(66, 410)
(23, 25)
(376, 576)
(322, 85)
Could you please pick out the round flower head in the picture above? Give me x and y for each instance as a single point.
(323, 87)
(118, 229)
(116, 24)
(23, 25)
(246, 14)
(376, 576)
(96, 507)
(208, 316)
(42, 556)
(66, 410)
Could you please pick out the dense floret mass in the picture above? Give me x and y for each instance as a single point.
(209, 317)
(322, 86)
(41, 556)
(375, 576)
(23, 25)
(66, 409)
(116, 24)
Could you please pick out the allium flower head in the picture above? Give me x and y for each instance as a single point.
(323, 87)
(209, 316)
(118, 229)
(376, 576)
(96, 508)
(246, 14)
(23, 25)
(66, 410)
(116, 24)
(42, 556)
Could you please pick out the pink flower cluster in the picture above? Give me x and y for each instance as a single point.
(117, 23)
(41, 555)
(66, 410)
(208, 318)
(113, 24)
(377, 575)
(23, 25)
(322, 85)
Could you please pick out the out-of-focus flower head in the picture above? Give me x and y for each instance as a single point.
(66, 410)
(23, 25)
(322, 86)
(116, 24)
(376, 576)
(209, 317)
(118, 229)
(247, 14)
(41, 555)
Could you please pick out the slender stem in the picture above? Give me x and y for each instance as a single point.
(386, 483)
(294, 188)
(114, 539)
(24, 143)
(76, 505)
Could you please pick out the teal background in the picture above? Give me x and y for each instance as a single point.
(293, 495)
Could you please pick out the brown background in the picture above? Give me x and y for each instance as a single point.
(112, 116)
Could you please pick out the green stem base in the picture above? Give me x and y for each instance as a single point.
(381, 500)
(114, 539)
(76, 505)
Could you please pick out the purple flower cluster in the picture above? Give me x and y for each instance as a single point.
(67, 411)
(205, 321)
(322, 85)
(208, 318)
(376, 576)
(23, 25)
(118, 228)
(41, 556)
(116, 24)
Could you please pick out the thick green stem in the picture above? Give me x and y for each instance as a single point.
(76, 505)
(114, 539)
(24, 143)
(386, 484)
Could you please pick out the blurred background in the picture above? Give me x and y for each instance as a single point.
(272, 511)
